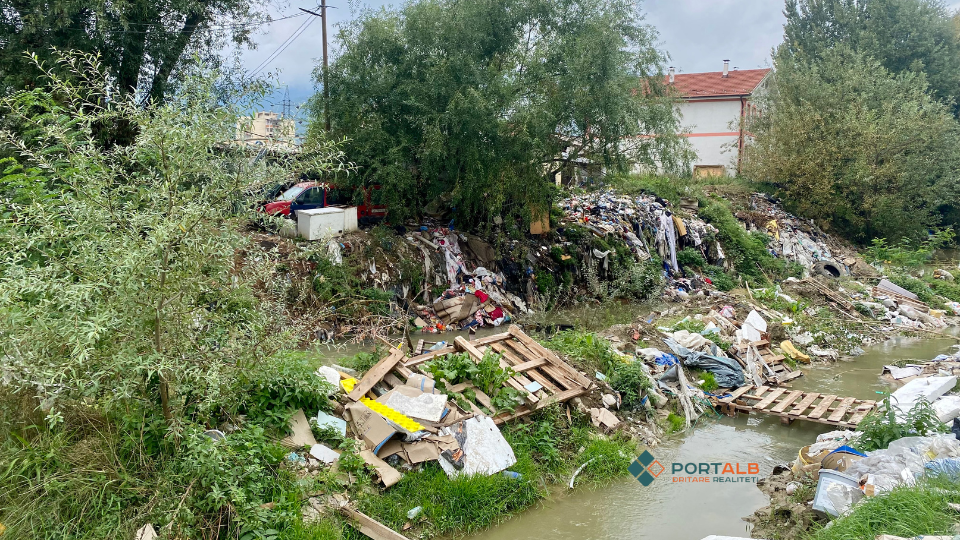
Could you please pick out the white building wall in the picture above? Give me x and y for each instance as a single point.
(714, 131)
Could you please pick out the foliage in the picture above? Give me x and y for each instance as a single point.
(638, 281)
(904, 36)
(866, 152)
(721, 279)
(691, 257)
(709, 381)
(747, 251)
(914, 285)
(487, 375)
(270, 392)
(909, 512)
(132, 321)
(476, 106)
(908, 254)
(630, 380)
(880, 428)
(144, 46)
(589, 350)
(675, 423)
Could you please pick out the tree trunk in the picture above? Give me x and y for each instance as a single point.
(158, 87)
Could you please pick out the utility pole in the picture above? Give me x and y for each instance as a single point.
(326, 65)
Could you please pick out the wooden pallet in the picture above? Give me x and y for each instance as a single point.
(530, 361)
(776, 372)
(844, 412)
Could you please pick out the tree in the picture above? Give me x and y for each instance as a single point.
(479, 104)
(917, 36)
(123, 278)
(866, 152)
(142, 43)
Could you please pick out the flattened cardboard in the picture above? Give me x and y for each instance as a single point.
(388, 475)
(426, 449)
(302, 435)
(372, 428)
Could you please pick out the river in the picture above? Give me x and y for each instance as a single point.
(628, 510)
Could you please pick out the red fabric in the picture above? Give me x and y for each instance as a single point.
(496, 314)
(482, 296)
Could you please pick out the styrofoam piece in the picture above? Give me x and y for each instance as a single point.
(319, 223)
(325, 420)
(947, 407)
(324, 453)
(929, 388)
(485, 451)
(755, 320)
(910, 370)
(424, 406)
(887, 285)
(330, 375)
(350, 221)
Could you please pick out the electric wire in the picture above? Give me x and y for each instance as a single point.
(283, 46)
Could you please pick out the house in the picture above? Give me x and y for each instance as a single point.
(713, 106)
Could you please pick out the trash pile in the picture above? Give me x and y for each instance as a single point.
(889, 302)
(401, 417)
(799, 240)
(475, 295)
(644, 223)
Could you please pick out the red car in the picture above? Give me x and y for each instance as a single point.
(307, 195)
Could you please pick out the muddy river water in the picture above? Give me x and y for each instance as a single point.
(628, 510)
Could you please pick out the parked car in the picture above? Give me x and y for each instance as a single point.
(308, 195)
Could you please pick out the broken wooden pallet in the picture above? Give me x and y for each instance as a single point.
(773, 370)
(844, 412)
(540, 376)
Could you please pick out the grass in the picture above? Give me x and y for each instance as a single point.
(906, 512)
(675, 423)
(548, 449)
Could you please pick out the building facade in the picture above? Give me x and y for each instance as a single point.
(713, 106)
(268, 129)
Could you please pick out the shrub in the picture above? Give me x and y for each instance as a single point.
(630, 380)
(880, 428)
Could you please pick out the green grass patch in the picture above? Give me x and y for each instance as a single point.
(675, 423)
(905, 511)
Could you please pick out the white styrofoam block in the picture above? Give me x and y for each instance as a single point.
(947, 407)
(929, 388)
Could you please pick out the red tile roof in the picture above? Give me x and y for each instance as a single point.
(738, 83)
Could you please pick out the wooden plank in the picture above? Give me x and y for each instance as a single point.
(405, 372)
(377, 372)
(841, 410)
(548, 355)
(519, 350)
(526, 366)
(862, 411)
(515, 382)
(515, 363)
(419, 349)
(791, 397)
(757, 394)
(369, 526)
(822, 407)
(769, 399)
(737, 393)
(417, 360)
(791, 376)
(804, 403)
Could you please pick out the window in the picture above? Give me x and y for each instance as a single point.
(313, 195)
(291, 193)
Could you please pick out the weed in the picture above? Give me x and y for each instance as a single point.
(271, 391)
(675, 423)
(880, 428)
(589, 349)
(709, 381)
(803, 493)
(630, 380)
(720, 278)
(692, 258)
(908, 254)
(487, 375)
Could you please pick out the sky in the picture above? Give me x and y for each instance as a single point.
(697, 34)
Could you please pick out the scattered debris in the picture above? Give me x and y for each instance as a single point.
(302, 435)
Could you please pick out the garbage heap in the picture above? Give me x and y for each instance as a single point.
(798, 240)
(402, 416)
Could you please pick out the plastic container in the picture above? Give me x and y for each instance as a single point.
(821, 501)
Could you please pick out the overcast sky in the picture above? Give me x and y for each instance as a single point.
(697, 34)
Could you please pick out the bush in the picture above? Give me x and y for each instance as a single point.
(747, 251)
(272, 391)
(588, 349)
(880, 428)
(630, 380)
(692, 258)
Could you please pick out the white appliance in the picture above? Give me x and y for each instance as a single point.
(320, 223)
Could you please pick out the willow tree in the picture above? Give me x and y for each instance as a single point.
(479, 104)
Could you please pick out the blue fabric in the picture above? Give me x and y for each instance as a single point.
(848, 450)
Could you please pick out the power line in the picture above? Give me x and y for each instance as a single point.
(101, 22)
(283, 46)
